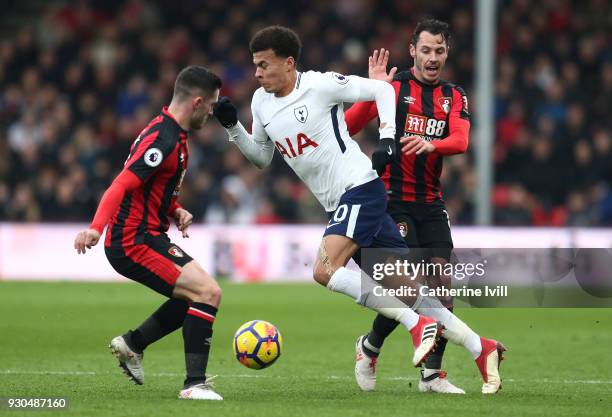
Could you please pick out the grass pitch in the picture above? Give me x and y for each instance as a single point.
(54, 337)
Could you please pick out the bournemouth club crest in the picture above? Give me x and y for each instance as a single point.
(403, 229)
(301, 114)
(176, 252)
(445, 103)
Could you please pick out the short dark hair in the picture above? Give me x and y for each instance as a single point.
(195, 77)
(282, 40)
(433, 26)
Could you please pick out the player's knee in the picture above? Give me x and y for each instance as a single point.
(321, 274)
(207, 290)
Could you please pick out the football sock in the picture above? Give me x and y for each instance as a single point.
(427, 372)
(381, 328)
(368, 349)
(166, 319)
(455, 330)
(197, 336)
(348, 282)
(433, 362)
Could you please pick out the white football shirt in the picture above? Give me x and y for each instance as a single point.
(308, 129)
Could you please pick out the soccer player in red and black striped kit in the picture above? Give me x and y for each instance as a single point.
(136, 208)
(436, 123)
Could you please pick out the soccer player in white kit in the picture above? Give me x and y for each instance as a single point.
(301, 115)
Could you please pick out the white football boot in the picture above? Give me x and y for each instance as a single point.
(438, 383)
(201, 391)
(129, 361)
(365, 367)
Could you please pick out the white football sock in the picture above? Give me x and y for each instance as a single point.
(455, 330)
(348, 282)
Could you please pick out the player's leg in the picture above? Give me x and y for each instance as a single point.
(204, 296)
(330, 270)
(154, 268)
(171, 314)
(168, 270)
(382, 326)
(355, 223)
(486, 352)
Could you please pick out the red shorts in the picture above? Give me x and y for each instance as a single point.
(152, 263)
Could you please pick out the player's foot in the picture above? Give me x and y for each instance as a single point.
(488, 363)
(202, 391)
(129, 361)
(365, 367)
(438, 383)
(424, 337)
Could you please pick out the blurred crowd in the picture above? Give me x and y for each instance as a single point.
(79, 82)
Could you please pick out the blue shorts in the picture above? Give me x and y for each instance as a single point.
(362, 216)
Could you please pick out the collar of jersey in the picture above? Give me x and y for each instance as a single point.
(296, 87)
(171, 117)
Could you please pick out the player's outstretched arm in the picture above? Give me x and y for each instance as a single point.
(256, 147)
(352, 89)
(126, 181)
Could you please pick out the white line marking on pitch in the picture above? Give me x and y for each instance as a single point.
(342, 377)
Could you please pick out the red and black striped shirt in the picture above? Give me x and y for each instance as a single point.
(437, 113)
(158, 157)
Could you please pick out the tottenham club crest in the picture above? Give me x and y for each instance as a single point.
(153, 157)
(445, 103)
(301, 114)
(176, 252)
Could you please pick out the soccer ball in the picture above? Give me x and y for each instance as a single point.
(257, 344)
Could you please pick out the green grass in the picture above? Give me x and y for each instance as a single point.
(53, 339)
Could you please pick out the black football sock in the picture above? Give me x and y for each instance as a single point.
(166, 319)
(197, 335)
(434, 360)
(381, 328)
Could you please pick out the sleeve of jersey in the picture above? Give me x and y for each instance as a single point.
(458, 127)
(149, 155)
(352, 89)
(358, 116)
(173, 206)
(125, 182)
(257, 148)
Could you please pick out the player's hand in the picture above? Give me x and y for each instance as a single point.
(377, 66)
(183, 220)
(384, 153)
(86, 239)
(416, 145)
(225, 112)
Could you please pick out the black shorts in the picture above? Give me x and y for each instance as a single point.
(152, 263)
(423, 225)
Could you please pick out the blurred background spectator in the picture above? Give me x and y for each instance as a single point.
(80, 79)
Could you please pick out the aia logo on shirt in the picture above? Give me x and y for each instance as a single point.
(292, 149)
